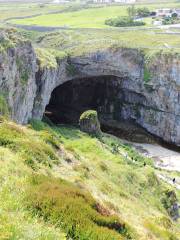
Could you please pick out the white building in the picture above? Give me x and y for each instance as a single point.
(116, 1)
(60, 1)
(157, 22)
(125, 1)
(164, 12)
(167, 12)
(102, 1)
(177, 11)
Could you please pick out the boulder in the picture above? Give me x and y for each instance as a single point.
(89, 122)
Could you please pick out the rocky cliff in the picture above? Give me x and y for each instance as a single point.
(148, 89)
(17, 75)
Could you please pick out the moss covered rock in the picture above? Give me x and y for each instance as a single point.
(170, 203)
(89, 122)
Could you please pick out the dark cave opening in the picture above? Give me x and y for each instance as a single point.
(72, 98)
(104, 94)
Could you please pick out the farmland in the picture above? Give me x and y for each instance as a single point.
(91, 17)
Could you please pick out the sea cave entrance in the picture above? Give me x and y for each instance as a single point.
(117, 106)
(72, 98)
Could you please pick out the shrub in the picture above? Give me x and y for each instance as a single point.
(45, 58)
(4, 109)
(37, 125)
(131, 11)
(159, 232)
(5, 42)
(170, 203)
(74, 210)
(147, 75)
(23, 70)
(170, 20)
(71, 69)
(47, 134)
(32, 150)
(143, 12)
(123, 22)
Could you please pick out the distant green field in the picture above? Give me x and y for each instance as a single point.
(86, 18)
(83, 18)
(13, 10)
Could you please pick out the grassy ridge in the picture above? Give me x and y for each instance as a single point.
(79, 42)
(102, 178)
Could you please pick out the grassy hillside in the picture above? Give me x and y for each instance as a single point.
(57, 182)
(77, 42)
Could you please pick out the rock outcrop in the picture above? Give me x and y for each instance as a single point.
(150, 93)
(89, 122)
(17, 75)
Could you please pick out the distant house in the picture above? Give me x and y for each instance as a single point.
(102, 1)
(177, 11)
(157, 22)
(60, 1)
(125, 1)
(116, 1)
(167, 12)
(164, 12)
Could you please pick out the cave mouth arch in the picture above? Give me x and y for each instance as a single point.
(73, 97)
(115, 105)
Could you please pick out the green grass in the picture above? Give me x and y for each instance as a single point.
(31, 150)
(80, 42)
(147, 75)
(59, 202)
(101, 179)
(100, 169)
(83, 18)
(15, 221)
(86, 18)
(11, 10)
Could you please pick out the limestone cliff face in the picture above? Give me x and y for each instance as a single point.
(17, 78)
(153, 101)
(163, 98)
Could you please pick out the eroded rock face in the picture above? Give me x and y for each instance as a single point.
(17, 79)
(153, 103)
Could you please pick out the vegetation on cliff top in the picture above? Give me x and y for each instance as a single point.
(79, 42)
(48, 58)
